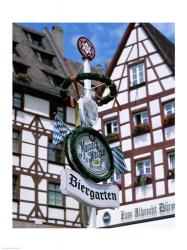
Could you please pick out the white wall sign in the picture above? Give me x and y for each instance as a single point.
(142, 211)
(96, 195)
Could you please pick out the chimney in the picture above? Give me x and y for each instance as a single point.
(58, 36)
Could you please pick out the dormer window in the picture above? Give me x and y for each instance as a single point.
(54, 79)
(34, 39)
(44, 58)
(20, 68)
(137, 74)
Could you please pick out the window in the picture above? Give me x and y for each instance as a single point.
(143, 167)
(54, 79)
(60, 112)
(111, 127)
(16, 140)
(116, 177)
(17, 100)
(45, 58)
(137, 74)
(54, 195)
(55, 153)
(34, 39)
(20, 68)
(15, 187)
(169, 108)
(141, 118)
(171, 161)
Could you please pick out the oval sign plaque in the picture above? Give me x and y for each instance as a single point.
(86, 48)
(89, 154)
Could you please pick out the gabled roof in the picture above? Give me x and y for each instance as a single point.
(164, 46)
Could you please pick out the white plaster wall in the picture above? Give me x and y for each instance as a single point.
(151, 75)
(54, 169)
(124, 115)
(171, 185)
(27, 136)
(117, 72)
(125, 71)
(132, 38)
(167, 98)
(15, 207)
(128, 180)
(26, 194)
(25, 207)
(149, 46)
(125, 130)
(137, 94)
(168, 83)
(117, 84)
(110, 115)
(154, 107)
(71, 215)
(13, 114)
(15, 160)
(26, 181)
(23, 117)
(122, 98)
(124, 55)
(169, 133)
(106, 106)
(56, 213)
(48, 124)
(42, 198)
(26, 161)
(71, 203)
(43, 185)
(156, 121)
(134, 53)
(128, 195)
(158, 136)
(128, 163)
(142, 155)
(141, 34)
(43, 141)
(123, 85)
(156, 58)
(154, 88)
(36, 105)
(43, 165)
(142, 51)
(144, 192)
(42, 153)
(44, 210)
(28, 149)
(159, 172)
(142, 140)
(70, 115)
(158, 156)
(163, 70)
(115, 144)
(126, 145)
(139, 106)
(160, 188)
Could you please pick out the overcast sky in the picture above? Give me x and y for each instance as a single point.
(104, 36)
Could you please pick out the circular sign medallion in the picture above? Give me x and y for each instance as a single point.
(89, 154)
(86, 48)
(106, 218)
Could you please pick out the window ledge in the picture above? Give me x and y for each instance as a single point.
(58, 207)
(112, 137)
(137, 86)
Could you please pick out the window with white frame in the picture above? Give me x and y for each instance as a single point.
(140, 118)
(171, 160)
(116, 177)
(54, 195)
(169, 108)
(143, 167)
(137, 74)
(111, 127)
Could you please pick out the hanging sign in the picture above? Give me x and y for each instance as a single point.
(96, 195)
(86, 48)
(89, 154)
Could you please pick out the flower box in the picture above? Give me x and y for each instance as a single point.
(112, 137)
(23, 77)
(169, 120)
(143, 180)
(140, 129)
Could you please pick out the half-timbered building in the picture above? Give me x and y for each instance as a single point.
(39, 67)
(141, 122)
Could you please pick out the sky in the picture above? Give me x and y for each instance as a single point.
(104, 36)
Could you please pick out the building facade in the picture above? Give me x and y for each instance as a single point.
(39, 67)
(141, 121)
